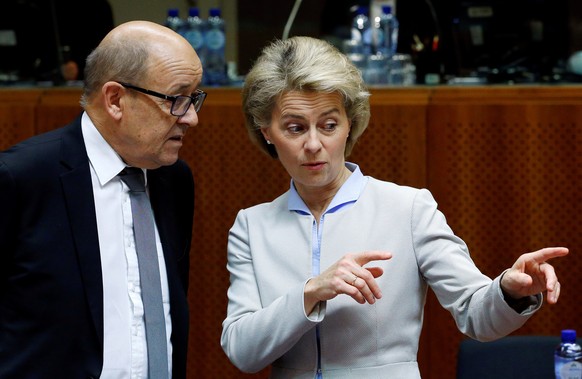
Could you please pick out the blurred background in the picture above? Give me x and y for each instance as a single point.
(515, 41)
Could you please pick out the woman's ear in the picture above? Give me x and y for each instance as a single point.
(265, 132)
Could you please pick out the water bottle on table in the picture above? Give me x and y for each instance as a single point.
(173, 20)
(387, 32)
(194, 31)
(215, 70)
(568, 357)
(362, 30)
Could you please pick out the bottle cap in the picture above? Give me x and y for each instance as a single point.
(569, 335)
(387, 9)
(214, 12)
(194, 12)
(361, 9)
(173, 12)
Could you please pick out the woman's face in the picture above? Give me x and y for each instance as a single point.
(309, 131)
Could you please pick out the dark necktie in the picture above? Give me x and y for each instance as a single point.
(149, 272)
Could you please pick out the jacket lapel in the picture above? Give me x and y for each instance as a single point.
(159, 190)
(78, 193)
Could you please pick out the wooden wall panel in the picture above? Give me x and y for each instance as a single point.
(504, 163)
(393, 147)
(57, 107)
(230, 174)
(506, 166)
(17, 116)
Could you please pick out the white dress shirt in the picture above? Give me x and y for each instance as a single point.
(124, 345)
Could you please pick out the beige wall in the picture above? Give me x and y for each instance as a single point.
(156, 10)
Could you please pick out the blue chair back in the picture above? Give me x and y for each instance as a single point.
(512, 357)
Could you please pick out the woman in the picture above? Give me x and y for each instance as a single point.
(330, 278)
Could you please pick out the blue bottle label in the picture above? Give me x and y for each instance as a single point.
(195, 38)
(567, 369)
(215, 39)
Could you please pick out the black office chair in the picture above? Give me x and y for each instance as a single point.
(512, 357)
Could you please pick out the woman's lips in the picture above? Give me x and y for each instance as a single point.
(314, 165)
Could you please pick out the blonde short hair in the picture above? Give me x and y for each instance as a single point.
(302, 64)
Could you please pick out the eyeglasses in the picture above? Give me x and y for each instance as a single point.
(180, 104)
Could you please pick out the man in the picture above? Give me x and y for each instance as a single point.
(71, 299)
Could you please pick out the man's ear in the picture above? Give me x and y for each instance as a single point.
(112, 93)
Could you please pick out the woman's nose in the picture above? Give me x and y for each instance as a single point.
(313, 142)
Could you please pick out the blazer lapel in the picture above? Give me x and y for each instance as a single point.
(78, 193)
(168, 223)
(159, 190)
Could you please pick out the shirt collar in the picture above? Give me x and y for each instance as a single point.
(349, 192)
(105, 161)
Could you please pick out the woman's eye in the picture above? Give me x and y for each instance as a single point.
(330, 126)
(294, 128)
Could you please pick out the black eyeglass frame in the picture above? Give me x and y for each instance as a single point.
(196, 99)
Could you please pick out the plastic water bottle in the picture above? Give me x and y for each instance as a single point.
(215, 70)
(362, 30)
(173, 20)
(568, 357)
(387, 32)
(194, 31)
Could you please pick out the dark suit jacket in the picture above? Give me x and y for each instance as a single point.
(51, 292)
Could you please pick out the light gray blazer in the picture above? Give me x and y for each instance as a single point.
(269, 260)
